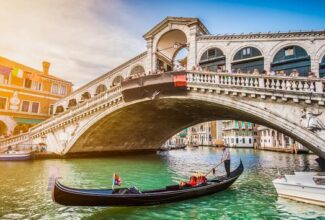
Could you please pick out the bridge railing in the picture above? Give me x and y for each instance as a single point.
(293, 84)
(71, 112)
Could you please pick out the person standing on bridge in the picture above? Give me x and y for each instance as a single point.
(226, 159)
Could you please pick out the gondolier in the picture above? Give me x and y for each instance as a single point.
(226, 159)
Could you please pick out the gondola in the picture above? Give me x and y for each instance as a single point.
(132, 197)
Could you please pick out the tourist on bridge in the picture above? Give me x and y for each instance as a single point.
(226, 159)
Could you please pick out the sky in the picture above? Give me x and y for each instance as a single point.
(85, 39)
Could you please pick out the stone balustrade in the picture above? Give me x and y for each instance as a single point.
(68, 114)
(299, 85)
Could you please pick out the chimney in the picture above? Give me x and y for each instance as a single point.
(46, 66)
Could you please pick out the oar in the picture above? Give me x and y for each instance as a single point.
(213, 168)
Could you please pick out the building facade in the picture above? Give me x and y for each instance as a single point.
(238, 133)
(273, 140)
(27, 95)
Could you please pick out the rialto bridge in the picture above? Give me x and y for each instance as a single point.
(117, 113)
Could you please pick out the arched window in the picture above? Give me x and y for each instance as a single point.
(213, 59)
(137, 71)
(85, 96)
(117, 80)
(289, 58)
(247, 59)
(322, 68)
(101, 88)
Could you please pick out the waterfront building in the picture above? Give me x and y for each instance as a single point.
(200, 134)
(238, 133)
(27, 95)
(273, 140)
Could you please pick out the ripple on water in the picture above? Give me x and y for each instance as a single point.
(251, 197)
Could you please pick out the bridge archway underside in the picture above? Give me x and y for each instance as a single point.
(147, 124)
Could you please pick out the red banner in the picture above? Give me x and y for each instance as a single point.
(180, 80)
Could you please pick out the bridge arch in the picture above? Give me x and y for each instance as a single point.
(291, 57)
(214, 59)
(247, 59)
(109, 130)
(167, 46)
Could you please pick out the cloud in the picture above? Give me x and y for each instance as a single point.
(81, 39)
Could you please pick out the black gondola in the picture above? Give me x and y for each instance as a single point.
(132, 197)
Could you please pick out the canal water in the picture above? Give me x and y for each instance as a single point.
(24, 186)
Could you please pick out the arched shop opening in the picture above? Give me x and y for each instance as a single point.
(322, 68)
(170, 44)
(85, 96)
(101, 88)
(3, 128)
(137, 71)
(213, 59)
(248, 59)
(289, 58)
(180, 58)
(117, 81)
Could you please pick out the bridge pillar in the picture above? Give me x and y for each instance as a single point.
(192, 48)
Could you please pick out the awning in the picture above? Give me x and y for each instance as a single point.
(28, 120)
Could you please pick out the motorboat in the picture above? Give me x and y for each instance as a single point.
(308, 187)
(133, 197)
(13, 155)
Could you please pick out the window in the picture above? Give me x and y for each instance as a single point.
(55, 88)
(249, 140)
(232, 140)
(28, 83)
(35, 107)
(63, 90)
(36, 85)
(4, 79)
(3, 102)
(25, 106)
(243, 140)
(247, 51)
(288, 51)
(236, 140)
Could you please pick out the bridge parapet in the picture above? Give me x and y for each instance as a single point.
(284, 87)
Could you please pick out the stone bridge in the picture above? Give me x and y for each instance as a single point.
(116, 113)
(143, 113)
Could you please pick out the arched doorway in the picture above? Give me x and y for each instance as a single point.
(168, 46)
(137, 71)
(117, 80)
(213, 60)
(101, 88)
(3, 129)
(289, 58)
(322, 67)
(247, 59)
(180, 59)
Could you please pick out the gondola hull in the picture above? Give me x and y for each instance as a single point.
(86, 197)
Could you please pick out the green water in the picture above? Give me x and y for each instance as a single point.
(24, 193)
